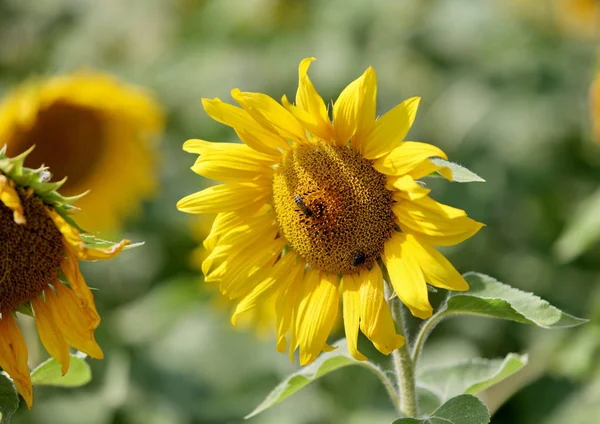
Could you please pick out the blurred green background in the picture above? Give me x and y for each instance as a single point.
(504, 89)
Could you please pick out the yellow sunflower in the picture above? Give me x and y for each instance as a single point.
(595, 107)
(39, 269)
(312, 208)
(581, 17)
(95, 130)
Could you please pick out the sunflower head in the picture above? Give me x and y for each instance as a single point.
(332, 207)
(312, 207)
(39, 265)
(95, 130)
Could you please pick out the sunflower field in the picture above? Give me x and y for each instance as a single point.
(299, 212)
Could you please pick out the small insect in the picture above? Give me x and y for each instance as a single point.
(359, 259)
(45, 176)
(302, 206)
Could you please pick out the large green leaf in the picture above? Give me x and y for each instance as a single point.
(460, 174)
(468, 377)
(9, 400)
(326, 363)
(49, 374)
(463, 409)
(491, 298)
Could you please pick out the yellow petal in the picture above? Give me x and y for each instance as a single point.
(76, 328)
(391, 129)
(203, 147)
(313, 123)
(309, 100)
(99, 254)
(228, 221)
(82, 292)
(10, 198)
(50, 334)
(225, 197)
(286, 305)
(237, 239)
(240, 273)
(406, 187)
(271, 115)
(75, 243)
(348, 107)
(376, 320)
(230, 162)
(351, 312)
(260, 139)
(406, 275)
(13, 356)
(232, 167)
(438, 271)
(317, 311)
(427, 167)
(271, 278)
(406, 157)
(436, 223)
(367, 110)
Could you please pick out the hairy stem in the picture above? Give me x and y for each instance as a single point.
(403, 363)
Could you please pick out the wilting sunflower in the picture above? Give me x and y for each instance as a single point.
(95, 130)
(39, 272)
(313, 207)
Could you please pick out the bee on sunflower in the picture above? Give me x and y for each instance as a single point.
(40, 250)
(315, 208)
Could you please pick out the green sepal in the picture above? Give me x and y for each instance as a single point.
(37, 180)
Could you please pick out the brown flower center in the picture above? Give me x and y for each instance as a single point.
(68, 139)
(30, 254)
(332, 207)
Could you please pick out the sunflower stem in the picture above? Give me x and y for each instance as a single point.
(403, 363)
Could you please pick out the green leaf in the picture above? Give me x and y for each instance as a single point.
(9, 400)
(468, 377)
(49, 374)
(583, 230)
(490, 298)
(326, 363)
(460, 174)
(463, 409)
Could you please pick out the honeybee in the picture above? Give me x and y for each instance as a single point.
(359, 259)
(302, 206)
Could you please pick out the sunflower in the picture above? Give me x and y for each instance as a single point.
(39, 269)
(594, 96)
(95, 130)
(313, 209)
(580, 17)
